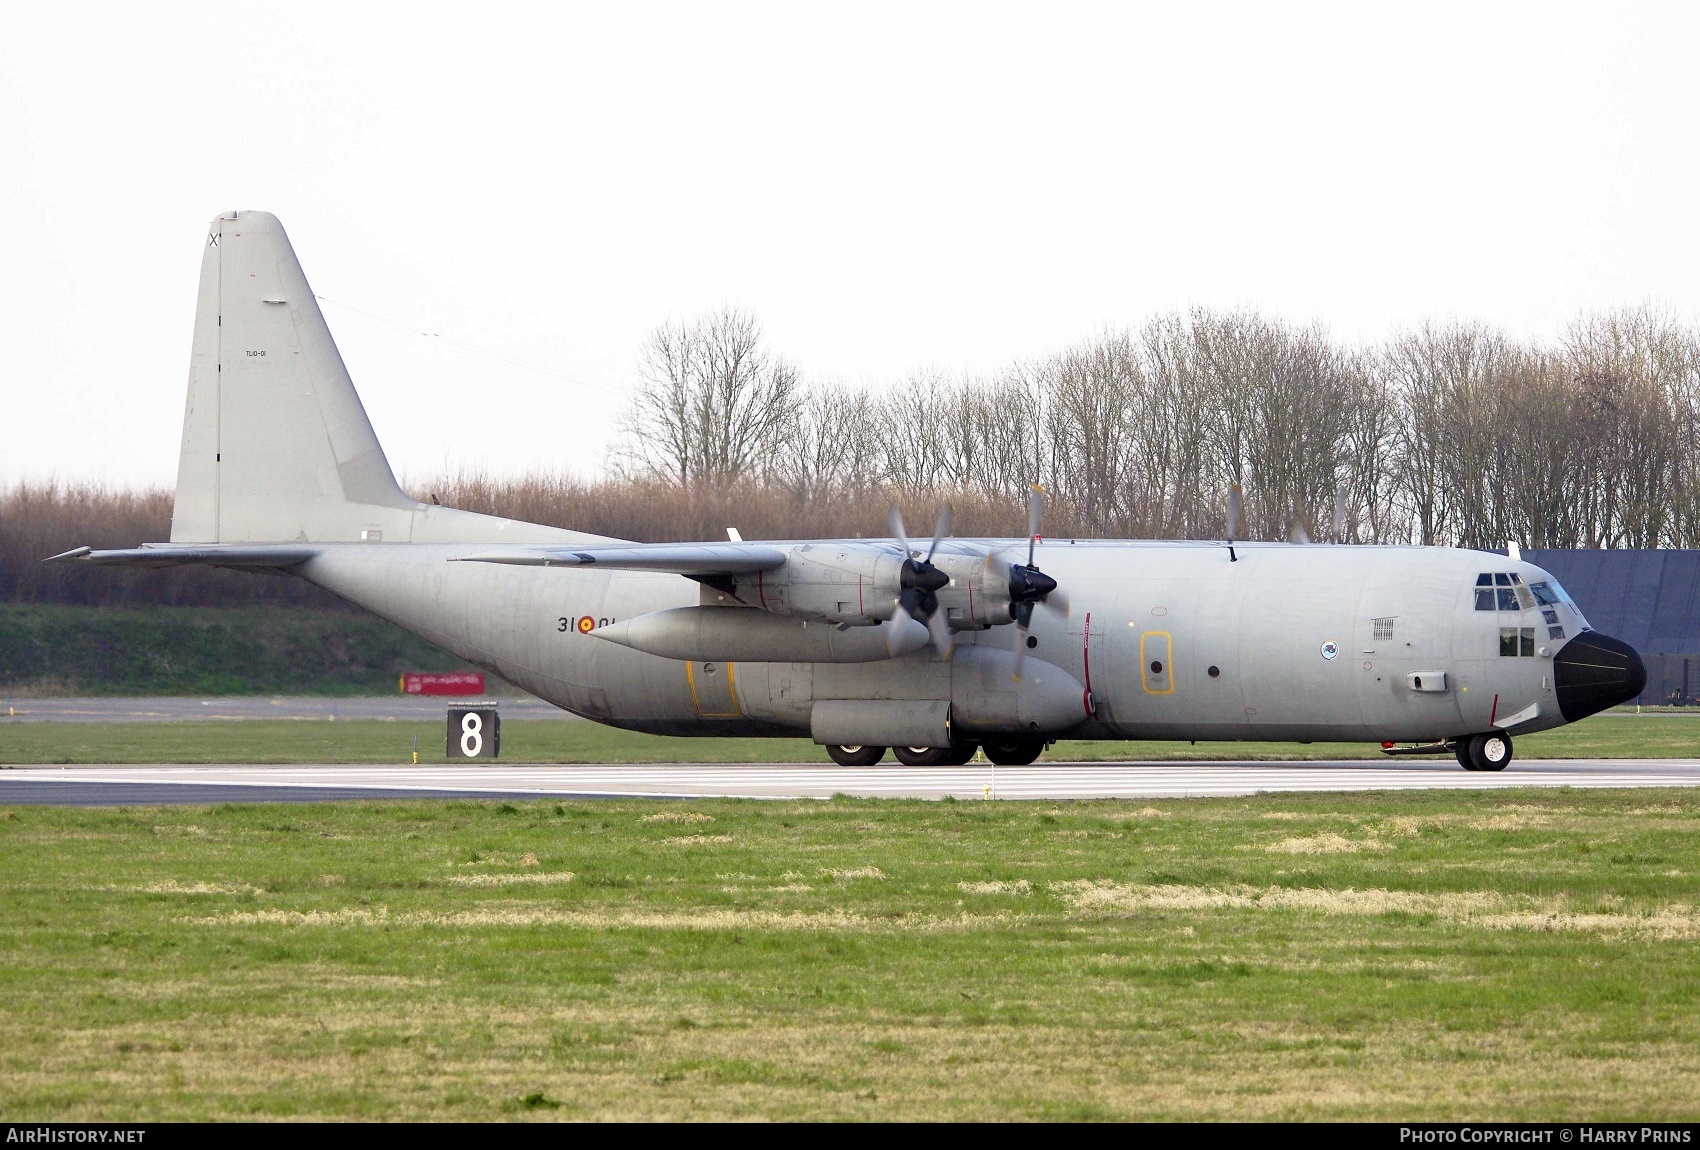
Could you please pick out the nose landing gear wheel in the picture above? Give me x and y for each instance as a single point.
(856, 756)
(1489, 752)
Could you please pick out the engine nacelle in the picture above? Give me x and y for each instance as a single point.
(859, 585)
(831, 582)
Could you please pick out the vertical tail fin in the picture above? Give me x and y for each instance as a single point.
(276, 445)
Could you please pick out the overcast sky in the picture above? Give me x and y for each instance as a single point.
(886, 187)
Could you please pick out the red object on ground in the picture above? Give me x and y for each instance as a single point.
(455, 683)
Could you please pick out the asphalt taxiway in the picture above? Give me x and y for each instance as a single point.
(135, 785)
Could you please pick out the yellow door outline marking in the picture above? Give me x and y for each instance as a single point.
(1168, 662)
(736, 712)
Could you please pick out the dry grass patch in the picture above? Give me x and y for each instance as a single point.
(695, 840)
(1019, 886)
(170, 886)
(678, 817)
(537, 878)
(1324, 844)
(850, 874)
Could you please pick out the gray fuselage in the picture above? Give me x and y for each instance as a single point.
(1173, 641)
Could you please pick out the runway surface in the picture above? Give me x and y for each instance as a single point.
(169, 709)
(101, 786)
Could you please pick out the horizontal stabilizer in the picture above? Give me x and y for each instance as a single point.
(676, 558)
(169, 555)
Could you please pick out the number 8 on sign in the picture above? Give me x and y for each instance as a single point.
(474, 733)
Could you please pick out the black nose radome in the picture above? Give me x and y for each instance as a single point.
(1595, 671)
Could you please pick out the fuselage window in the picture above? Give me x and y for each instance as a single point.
(1549, 614)
(1507, 599)
(1555, 632)
(1508, 642)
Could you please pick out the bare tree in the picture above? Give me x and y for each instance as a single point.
(714, 405)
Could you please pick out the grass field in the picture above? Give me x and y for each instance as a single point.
(373, 741)
(1424, 955)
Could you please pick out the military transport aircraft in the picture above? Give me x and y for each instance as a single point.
(998, 644)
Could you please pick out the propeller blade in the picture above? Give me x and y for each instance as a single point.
(1023, 619)
(939, 628)
(1057, 600)
(1035, 509)
(896, 521)
(1339, 515)
(903, 633)
(940, 531)
(1298, 534)
(1233, 512)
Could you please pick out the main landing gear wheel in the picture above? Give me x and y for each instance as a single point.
(1013, 751)
(954, 755)
(1489, 752)
(856, 756)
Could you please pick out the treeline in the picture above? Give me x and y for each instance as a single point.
(1452, 434)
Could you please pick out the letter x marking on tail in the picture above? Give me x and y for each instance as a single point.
(212, 239)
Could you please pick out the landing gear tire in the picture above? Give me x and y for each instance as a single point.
(856, 756)
(960, 753)
(1013, 752)
(922, 756)
(1489, 752)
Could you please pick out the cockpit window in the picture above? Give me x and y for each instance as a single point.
(1505, 591)
(1544, 594)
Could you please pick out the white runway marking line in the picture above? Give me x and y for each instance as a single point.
(1053, 781)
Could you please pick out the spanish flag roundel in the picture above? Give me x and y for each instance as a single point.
(586, 624)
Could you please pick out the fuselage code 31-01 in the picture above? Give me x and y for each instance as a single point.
(583, 624)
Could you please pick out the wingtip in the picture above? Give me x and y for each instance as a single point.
(70, 556)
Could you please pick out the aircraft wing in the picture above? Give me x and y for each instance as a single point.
(691, 559)
(247, 555)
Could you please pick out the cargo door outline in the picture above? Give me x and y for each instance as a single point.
(714, 691)
(1157, 647)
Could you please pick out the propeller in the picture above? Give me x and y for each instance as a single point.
(919, 583)
(1233, 520)
(1339, 515)
(1029, 586)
